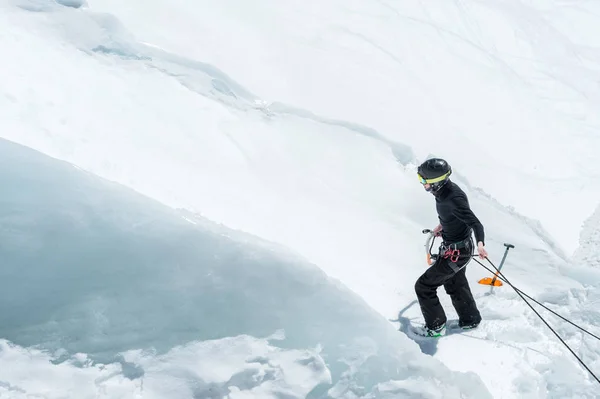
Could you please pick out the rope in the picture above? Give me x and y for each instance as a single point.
(545, 307)
(519, 292)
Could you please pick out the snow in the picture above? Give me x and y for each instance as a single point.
(303, 131)
(271, 373)
(506, 91)
(106, 293)
(588, 252)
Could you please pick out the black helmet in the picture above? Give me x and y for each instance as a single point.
(434, 171)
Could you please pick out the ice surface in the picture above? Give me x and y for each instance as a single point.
(94, 273)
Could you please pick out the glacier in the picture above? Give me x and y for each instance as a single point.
(236, 178)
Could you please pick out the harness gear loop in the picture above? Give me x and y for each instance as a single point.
(453, 252)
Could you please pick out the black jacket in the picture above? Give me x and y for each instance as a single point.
(456, 216)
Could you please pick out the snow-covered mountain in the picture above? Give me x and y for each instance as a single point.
(294, 125)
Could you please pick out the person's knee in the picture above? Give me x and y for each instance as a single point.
(421, 288)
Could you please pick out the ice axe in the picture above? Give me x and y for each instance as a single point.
(428, 246)
(494, 282)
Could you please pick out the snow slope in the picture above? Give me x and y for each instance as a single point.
(183, 129)
(506, 91)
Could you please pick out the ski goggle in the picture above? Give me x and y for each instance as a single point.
(434, 180)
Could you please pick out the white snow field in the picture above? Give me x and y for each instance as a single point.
(508, 90)
(299, 123)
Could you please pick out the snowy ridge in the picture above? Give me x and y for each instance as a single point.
(403, 153)
(502, 80)
(209, 81)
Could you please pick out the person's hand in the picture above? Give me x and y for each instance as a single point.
(481, 249)
(438, 230)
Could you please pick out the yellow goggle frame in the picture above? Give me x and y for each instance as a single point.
(434, 180)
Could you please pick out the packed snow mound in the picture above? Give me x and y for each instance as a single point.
(588, 253)
(237, 367)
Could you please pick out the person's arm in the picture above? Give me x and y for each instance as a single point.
(463, 211)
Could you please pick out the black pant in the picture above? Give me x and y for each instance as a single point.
(456, 285)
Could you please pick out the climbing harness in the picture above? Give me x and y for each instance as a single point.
(451, 251)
